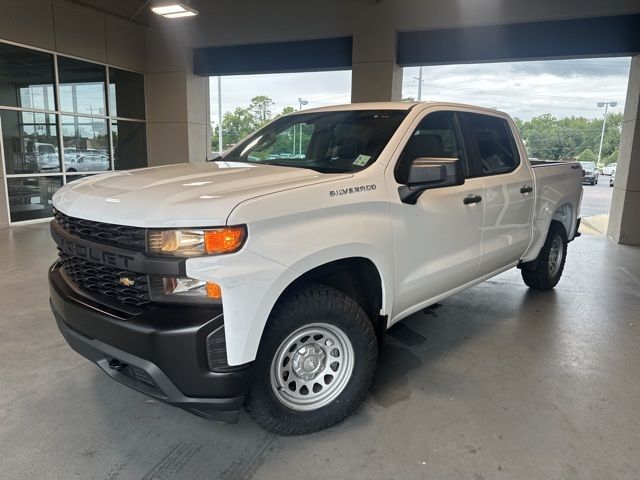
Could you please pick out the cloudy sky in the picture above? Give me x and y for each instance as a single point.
(523, 89)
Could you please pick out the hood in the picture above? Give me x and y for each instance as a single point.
(184, 195)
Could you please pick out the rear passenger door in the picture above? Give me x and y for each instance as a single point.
(508, 191)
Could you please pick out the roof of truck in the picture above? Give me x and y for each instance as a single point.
(396, 106)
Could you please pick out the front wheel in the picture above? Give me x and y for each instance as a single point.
(315, 362)
(545, 271)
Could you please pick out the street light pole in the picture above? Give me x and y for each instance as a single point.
(301, 102)
(419, 79)
(606, 106)
(220, 148)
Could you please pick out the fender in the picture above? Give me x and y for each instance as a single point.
(291, 274)
(545, 212)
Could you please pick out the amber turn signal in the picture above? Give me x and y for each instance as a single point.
(223, 240)
(214, 291)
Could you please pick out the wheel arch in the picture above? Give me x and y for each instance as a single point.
(357, 277)
(353, 272)
(563, 211)
(564, 215)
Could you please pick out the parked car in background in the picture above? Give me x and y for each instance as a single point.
(88, 162)
(612, 179)
(590, 174)
(609, 169)
(46, 157)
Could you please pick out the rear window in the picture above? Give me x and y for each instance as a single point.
(494, 143)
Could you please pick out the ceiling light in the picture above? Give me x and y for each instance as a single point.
(180, 14)
(174, 10)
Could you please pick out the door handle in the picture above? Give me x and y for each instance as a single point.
(526, 189)
(472, 199)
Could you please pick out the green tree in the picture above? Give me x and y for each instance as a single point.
(237, 124)
(588, 156)
(550, 138)
(242, 121)
(260, 107)
(613, 158)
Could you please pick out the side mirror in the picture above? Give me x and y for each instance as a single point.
(426, 173)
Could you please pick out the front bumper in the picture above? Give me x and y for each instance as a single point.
(159, 350)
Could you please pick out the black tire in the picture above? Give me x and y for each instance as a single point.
(312, 304)
(71, 170)
(537, 274)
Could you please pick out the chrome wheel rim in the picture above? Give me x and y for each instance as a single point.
(312, 366)
(555, 256)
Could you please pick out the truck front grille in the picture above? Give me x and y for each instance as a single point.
(132, 238)
(121, 285)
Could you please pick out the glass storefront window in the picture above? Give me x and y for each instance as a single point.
(126, 94)
(30, 197)
(92, 127)
(85, 144)
(129, 144)
(82, 86)
(26, 78)
(30, 142)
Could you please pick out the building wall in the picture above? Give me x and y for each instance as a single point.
(69, 28)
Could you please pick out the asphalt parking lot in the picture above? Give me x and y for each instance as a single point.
(596, 200)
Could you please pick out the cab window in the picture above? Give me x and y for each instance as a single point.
(493, 143)
(436, 136)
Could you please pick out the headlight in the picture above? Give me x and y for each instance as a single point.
(196, 242)
(184, 290)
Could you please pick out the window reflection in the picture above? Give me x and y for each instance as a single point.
(37, 137)
(129, 144)
(126, 94)
(26, 78)
(30, 142)
(30, 197)
(85, 144)
(82, 86)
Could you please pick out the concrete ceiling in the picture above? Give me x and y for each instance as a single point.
(125, 9)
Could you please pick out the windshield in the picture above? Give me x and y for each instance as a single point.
(328, 142)
(588, 165)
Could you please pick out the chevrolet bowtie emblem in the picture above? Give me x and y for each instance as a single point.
(126, 281)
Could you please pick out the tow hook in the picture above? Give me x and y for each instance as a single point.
(117, 365)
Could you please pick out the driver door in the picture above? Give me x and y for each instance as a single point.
(437, 240)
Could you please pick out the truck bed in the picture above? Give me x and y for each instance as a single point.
(557, 185)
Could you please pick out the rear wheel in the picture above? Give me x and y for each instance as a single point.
(544, 273)
(315, 363)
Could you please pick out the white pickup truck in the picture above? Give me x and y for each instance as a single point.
(267, 277)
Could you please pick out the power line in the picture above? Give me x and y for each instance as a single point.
(515, 94)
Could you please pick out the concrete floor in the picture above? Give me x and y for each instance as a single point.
(499, 382)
